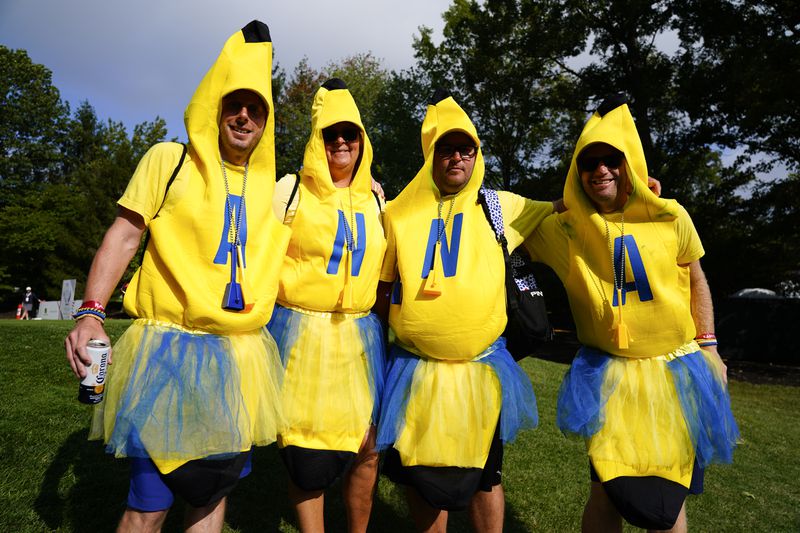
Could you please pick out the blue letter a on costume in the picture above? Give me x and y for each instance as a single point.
(640, 282)
(340, 241)
(449, 251)
(225, 246)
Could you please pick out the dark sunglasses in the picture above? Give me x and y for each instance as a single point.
(466, 151)
(349, 135)
(590, 163)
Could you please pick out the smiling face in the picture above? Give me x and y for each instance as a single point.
(342, 149)
(604, 177)
(241, 125)
(453, 161)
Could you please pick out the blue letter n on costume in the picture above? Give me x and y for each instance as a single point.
(449, 251)
(225, 246)
(340, 241)
(640, 282)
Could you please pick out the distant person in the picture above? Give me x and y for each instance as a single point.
(29, 299)
(331, 344)
(648, 389)
(196, 378)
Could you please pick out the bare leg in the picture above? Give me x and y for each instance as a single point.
(427, 519)
(600, 515)
(680, 524)
(310, 508)
(207, 519)
(359, 484)
(487, 510)
(134, 521)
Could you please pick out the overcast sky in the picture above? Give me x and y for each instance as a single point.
(136, 59)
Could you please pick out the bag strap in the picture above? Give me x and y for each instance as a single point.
(491, 209)
(378, 201)
(494, 214)
(293, 193)
(172, 178)
(166, 190)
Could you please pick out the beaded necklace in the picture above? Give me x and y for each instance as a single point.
(348, 228)
(443, 226)
(235, 223)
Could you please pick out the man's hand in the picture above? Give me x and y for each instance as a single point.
(119, 244)
(85, 330)
(713, 351)
(654, 185)
(377, 189)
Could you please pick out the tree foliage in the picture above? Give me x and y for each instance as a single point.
(61, 174)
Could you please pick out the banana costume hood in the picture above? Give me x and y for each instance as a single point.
(634, 300)
(613, 124)
(320, 272)
(190, 261)
(468, 278)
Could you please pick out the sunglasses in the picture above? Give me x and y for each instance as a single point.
(332, 134)
(590, 163)
(467, 151)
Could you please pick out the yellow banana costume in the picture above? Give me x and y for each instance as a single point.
(450, 373)
(191, 379)
(330, 344)
(650, 401)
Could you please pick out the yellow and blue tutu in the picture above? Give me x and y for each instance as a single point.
(444, 413)
(335, 364)
(649, 416)
(175, 395)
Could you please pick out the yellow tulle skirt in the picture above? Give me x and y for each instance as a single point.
(175, 394)
(649, 416)
(334, 371)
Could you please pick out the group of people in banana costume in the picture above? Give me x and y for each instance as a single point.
(264, 308)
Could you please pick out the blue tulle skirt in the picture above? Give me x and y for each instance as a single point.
(444, 413)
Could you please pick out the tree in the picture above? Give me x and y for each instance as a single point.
(293, 117)
(484, 62)
(395, 136)
(60, 178)
(740, 72)
(32, 123)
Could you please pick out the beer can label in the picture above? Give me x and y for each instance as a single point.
(93, 385)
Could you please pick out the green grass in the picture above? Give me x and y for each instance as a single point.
(52, 479)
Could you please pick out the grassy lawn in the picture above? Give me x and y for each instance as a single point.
(52, 479)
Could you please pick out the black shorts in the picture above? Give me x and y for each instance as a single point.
(650, 502)
(448, 487)
(200, 482)
(312, 470)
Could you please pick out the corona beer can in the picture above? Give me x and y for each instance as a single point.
(93, 385)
